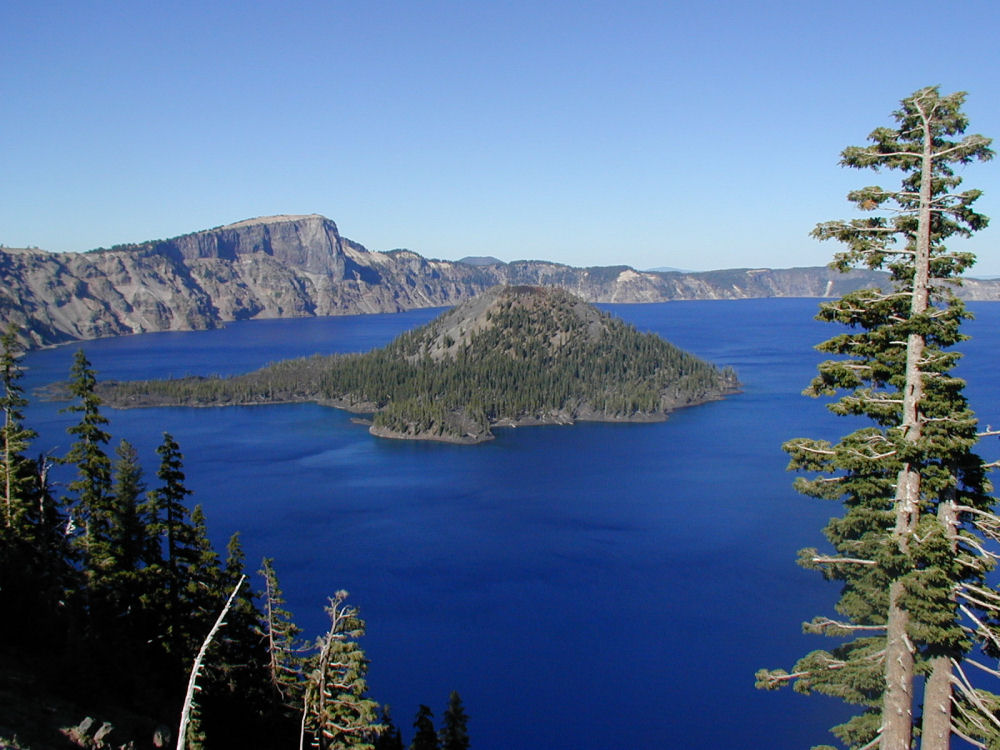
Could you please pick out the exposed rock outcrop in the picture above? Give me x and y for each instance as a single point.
(287, 266)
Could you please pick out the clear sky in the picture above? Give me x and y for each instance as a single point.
(689, 134)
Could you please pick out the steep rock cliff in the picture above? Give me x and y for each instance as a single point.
(286, 266)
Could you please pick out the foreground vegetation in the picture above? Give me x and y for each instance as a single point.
(515, 355)
(109, 591)
(918, 534)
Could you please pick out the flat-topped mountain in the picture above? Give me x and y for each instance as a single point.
(288, 266)
(511, 356)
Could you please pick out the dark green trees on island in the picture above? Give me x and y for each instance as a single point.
(912, 549)
(513, 355)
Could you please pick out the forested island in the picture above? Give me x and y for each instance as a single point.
(515, 355)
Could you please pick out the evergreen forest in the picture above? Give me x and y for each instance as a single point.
(514, 355)
(110, 588)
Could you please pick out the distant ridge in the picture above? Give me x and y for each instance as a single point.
(299, 265)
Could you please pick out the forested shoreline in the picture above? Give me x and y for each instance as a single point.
(524, 355)
(115, 586)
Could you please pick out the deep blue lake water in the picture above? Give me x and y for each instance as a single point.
(594, 586)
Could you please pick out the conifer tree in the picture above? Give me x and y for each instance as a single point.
(199, 566)
(911, 484)
(281, 639)
(120, 595)
(167, 501)
(237, 699)
(187, 557)
(14, 471)
(129, 526)
(92, 485)
(35, 560)
(454, 733)
(336, 712)
(390, 738)
(425, 738)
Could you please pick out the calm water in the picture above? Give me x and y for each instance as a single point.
(595, 586)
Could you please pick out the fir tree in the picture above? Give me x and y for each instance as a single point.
(454, 733)
(35, 559)
(203, 578)
(281, 641)
(390, 738)
(237, 694)
(122, 593)
(128, 525)
(337, 713)
(425, 738)
(169, 529)
(16, 475)
(912, 487)
(188, 579)
(92, 486)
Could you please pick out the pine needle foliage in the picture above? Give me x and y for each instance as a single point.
(912, 488)
(454, 734)
(336, 711)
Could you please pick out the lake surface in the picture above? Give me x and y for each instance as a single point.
(588, 587)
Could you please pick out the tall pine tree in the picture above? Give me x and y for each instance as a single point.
(15, 471)
(128, 528)
(237, 699)
(454, 733)
(35, 559)
(911, 484)
(91, 489)
(337, 711)
(425, 738)
(281, 641)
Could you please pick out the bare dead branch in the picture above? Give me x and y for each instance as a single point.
(975, 743)
(196, 668)
(840, 560)
(983, 667)
(963, 683)
(826, 622)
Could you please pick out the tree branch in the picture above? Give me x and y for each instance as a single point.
(838, 560)
(196, 668)
(969, 691)
(983, 667)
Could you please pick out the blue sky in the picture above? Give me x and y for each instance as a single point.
(694, 135)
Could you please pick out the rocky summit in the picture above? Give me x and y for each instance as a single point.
(288, 266)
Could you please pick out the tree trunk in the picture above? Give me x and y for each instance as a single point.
(936, 726)
(897, 703)
(6, 469)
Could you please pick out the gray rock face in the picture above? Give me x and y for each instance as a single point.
(288, 266)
